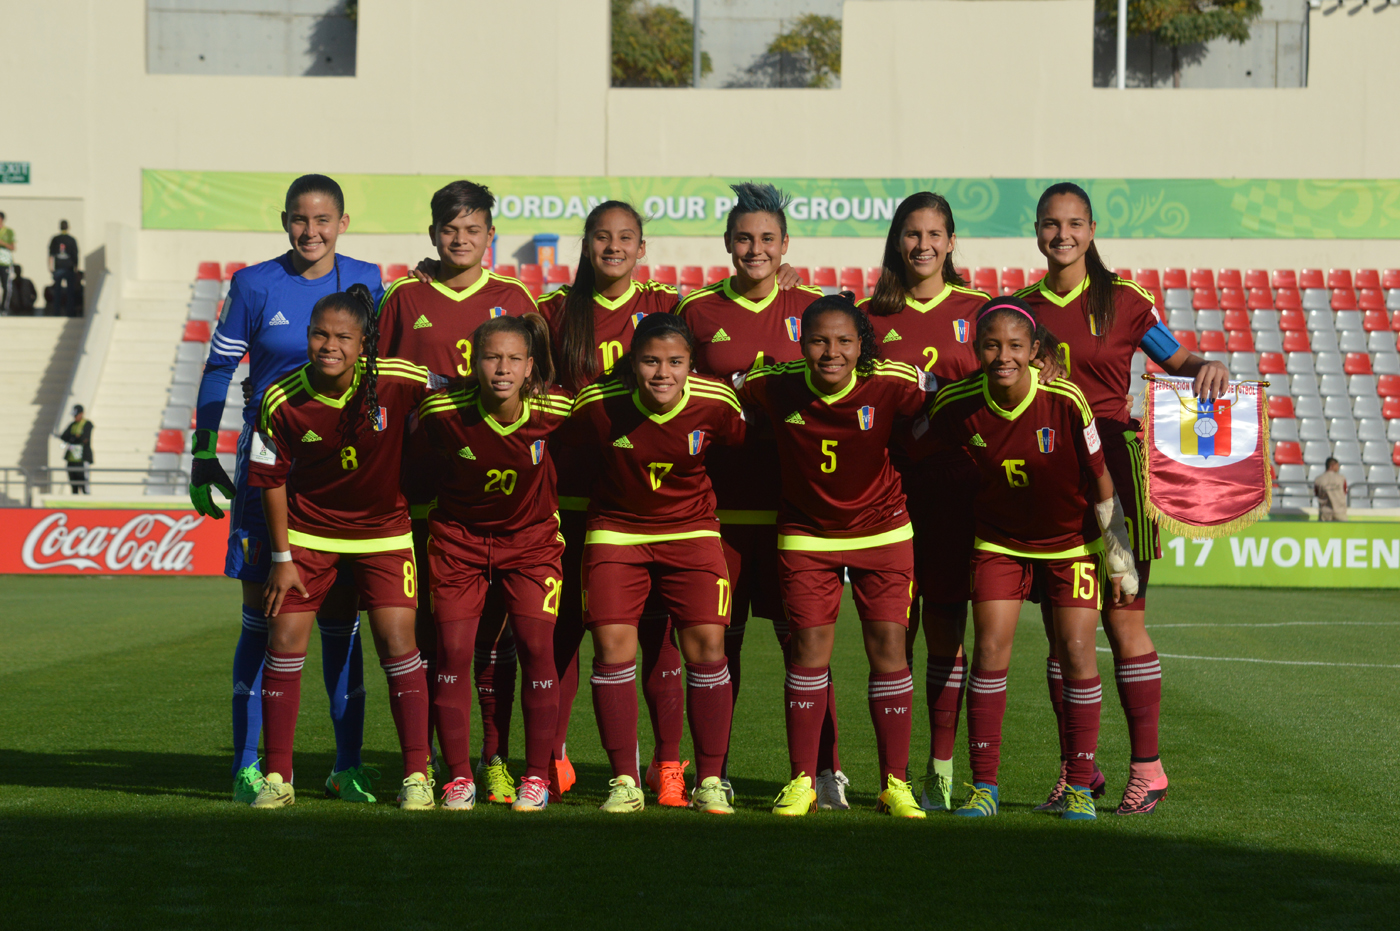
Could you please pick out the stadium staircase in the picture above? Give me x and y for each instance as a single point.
(39, 356)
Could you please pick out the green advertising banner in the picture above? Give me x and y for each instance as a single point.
(1286, 554)
(983, 207)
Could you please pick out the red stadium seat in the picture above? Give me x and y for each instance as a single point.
(1357, 363)
(1344, 299)
(196, 331)
(1388, 386)
(232, 267)
(170, 441)
(872, 278)
(531, 273)
(1375, 321)
(1296, 341)
(1271, 363)
(964, 273)
(1288, 299)
(397, 271)
(1256, 278)
(1391, 278)
(559, 274)
(1159, 299)
(1187, 339)
(1395, 321)
(1395, 454)
(1212, 341)
(717, 273)
(1239, 341)
(1034, 275)
(209, 271)
(381, 271)
(1154, 369)
(853, 280)
(824, 276)
(1292, 320)
(1174, 278)
(692, 277)
(1311, 278)
(985, 279)
(1260, 299)
(1339, 278)
(1283, 278)
(1204, 299)
(1236, 319)
(1148, 278)
(641, 272)
(1368, 278)
(1371, 299)
(505, 270)
(1232, 299)
(227, 442)
(1012, 279)
(1280, 407)
(804, 274)
(1288, 453)
(1390, 409)
(1202, 278)
(664, 274)
(194, 417)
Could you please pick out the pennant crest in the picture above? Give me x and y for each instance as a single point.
(537, 452)
(867, 417)
(961, 330)
(794, 328)
(381, 420)
(497, 312)
(695, 439)
(637, 319)
(1045, 439)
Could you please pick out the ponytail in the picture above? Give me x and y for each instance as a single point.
(1099, 310)
(357, 301)
(893, 285)
(578, 361)
(534, 332)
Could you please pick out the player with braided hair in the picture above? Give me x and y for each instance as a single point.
(327, 456)
(833, 414)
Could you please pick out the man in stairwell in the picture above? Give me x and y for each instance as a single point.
(63, 262)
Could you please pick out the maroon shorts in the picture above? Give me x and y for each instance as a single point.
(882, 583)
(1075, 582)
(383, 580)
(751, 555)
(525, 566)
(1124, 458)
(689, 575)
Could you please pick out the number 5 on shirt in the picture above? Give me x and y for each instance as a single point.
(829, 451)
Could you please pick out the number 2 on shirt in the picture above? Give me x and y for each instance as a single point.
(829, 451)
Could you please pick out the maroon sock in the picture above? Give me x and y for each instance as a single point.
(281, 700)
(452, 700)
(709, 702)
(408, 703)
(495, 692)
(615, 707)
(986, 706)
(1140, 692)
(944, 680)
(539, 692)
(805, 693)
(1056, 685)
(567, 637)
(1083, 699)
(891, 697)
(663, 686)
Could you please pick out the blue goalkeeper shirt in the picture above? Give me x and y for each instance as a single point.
(265, 316)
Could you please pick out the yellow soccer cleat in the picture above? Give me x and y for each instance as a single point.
(797, 797)
(500, 787)
(898, 800)
(274, 793)
(417, 793)
(623, 796)
(711, 798)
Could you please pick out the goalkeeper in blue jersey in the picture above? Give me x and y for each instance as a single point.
(265, 318)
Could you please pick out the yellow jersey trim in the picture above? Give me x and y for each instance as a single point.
(1087, 549)
(956, 392)
(796, 542)
(617, 538)
(835, 395)
(614, 304)
(1054, 298)
(715, 393)
(1070, 390)
(663, 418)
(753, 306)
(309, 541)
(727, 516)
(1020, 409)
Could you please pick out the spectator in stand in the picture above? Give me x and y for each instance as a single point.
(78, 451)
(63, 262)
(1330, 489)
(7, 258)
(22, 294)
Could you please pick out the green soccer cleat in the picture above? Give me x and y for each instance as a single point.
(1079, 804)
(274, 793)
(500, 788)
(982, 803)
(709, 797)
(416, 794)
(797, 798)
(623, 797)
(353, 784)
(246, 783)
(937, 794)
(898, 800)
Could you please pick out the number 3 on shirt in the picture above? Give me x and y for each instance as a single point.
(829, 451)
(466, 346)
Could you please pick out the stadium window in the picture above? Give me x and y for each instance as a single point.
(759, 43)
(252, 37)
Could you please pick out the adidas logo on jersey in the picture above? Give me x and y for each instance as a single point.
(720, 336)
(310, 437)
(279, 320)
(622, 443)
(422, 322)
(978, 441)
(892, 336)
(796, 418)
(466, 453)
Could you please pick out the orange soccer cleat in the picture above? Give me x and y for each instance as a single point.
(667, 780)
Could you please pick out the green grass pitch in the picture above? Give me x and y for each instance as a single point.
(114, 809)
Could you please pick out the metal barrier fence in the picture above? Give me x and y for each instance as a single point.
(19, 484)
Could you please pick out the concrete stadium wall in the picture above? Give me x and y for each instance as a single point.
(943, 88)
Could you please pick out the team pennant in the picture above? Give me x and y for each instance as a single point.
(536, 451)
(794, 328)
(1207, 470)
(867, 417)
(695, 439)
(961, 330)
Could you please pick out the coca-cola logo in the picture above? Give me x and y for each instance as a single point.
(134, 546)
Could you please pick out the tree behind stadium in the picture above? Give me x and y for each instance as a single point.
(651, 46)
(1176, 23)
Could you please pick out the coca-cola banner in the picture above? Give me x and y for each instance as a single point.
(99, 541)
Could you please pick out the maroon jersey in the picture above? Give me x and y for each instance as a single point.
(651, 477)
(1101, 368)
(937, 335)
(341, 473)
(1037, 465)
(493, 478)
(432, 325)
(837, 480)
(734, 334)
(614, 321)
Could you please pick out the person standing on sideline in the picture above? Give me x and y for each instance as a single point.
(78, 451)
(1330, 489)
(63, 262)
(7, 259)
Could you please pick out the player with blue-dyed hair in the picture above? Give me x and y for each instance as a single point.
(265, 317)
